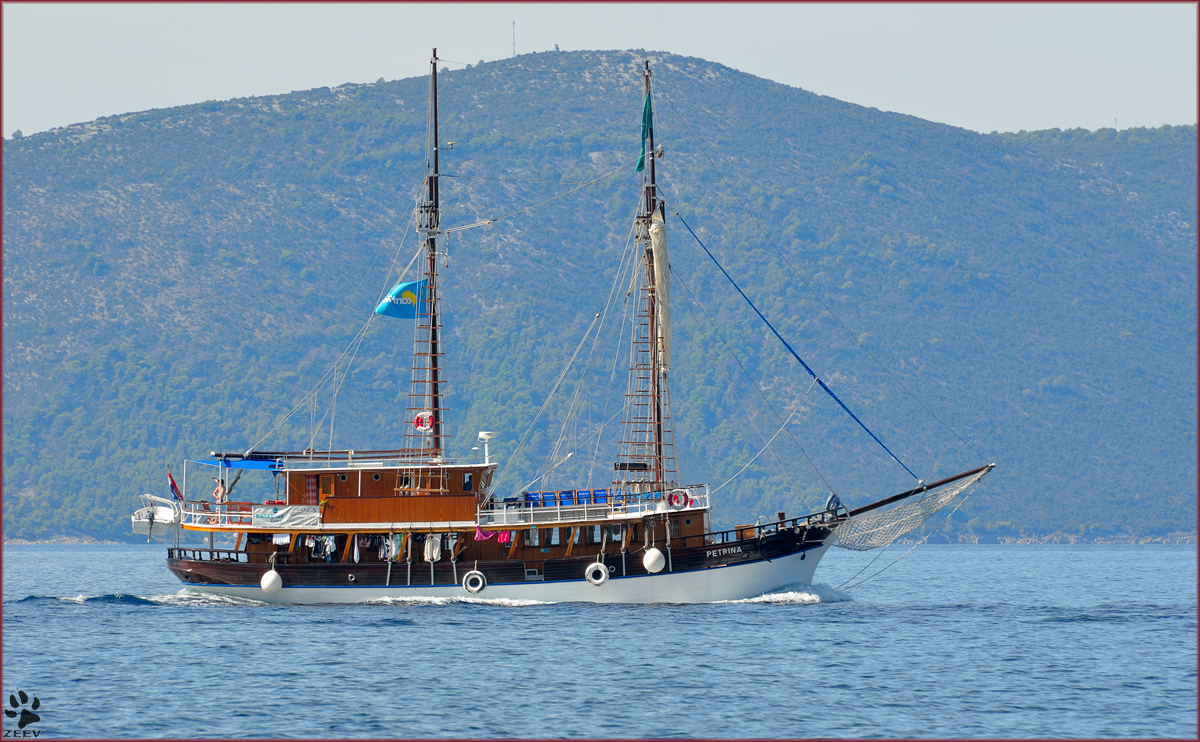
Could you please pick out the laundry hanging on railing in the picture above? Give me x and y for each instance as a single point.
(433, 547)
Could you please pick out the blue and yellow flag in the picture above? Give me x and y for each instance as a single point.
(647, 124)
(401, 302)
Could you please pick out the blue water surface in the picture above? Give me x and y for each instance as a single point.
(951, 641)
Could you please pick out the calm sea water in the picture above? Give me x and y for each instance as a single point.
(952, 641)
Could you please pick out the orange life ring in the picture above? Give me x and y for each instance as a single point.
(678, 499)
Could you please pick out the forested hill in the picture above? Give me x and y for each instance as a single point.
(175, 280)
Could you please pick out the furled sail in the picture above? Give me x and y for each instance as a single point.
(662, 287)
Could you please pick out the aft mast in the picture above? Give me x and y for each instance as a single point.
(427, 433)
(646, 462)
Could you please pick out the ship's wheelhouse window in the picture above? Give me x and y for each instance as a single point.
(467, 482)
(375, 476)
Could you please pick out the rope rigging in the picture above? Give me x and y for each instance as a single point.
(795, 355)
(807, 285)
(757, 388)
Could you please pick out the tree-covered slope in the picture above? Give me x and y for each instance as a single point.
(175, 280)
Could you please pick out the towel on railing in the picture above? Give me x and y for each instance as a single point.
(433, 547)
(479, 535)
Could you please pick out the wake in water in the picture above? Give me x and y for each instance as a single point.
(800, 595)
(112, 599)
(188, 599)
(184, 598)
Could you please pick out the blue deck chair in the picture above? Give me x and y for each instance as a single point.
(566, 497)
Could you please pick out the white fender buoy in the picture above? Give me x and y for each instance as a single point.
(271, 582)
(654, 561)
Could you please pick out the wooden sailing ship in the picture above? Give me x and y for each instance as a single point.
(351, 526)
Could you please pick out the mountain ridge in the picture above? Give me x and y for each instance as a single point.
(213, 254)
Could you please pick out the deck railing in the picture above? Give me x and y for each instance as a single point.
(549, 509)
(220, 515)
(207, 555)
(576, 506)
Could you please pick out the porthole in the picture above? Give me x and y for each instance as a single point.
(687, 521)
(341, 477)
(350, 577)
(375, 476)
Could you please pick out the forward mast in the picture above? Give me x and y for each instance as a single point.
(646, 462)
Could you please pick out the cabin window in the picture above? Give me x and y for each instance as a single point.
(326, 485)
(310, 489)
(554, 540)
(614, 533)
(467, 483)
(531, 538)
(375, 476)
(674, 526)
(592, 534)
(402, 482)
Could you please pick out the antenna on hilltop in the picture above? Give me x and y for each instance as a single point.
(514, 38)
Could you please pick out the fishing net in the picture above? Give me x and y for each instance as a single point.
(875, 529)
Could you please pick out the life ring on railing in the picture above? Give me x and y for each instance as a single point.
(474, 581)
(678, 499)
(596, 573)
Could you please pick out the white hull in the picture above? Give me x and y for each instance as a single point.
(734, 582)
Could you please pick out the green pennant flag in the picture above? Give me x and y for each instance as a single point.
(647, 123)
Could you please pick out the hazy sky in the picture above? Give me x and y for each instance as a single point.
(980, 66)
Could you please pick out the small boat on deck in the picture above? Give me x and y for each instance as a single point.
(413, 522)
(156, 518)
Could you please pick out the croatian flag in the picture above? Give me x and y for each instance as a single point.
(174, 489)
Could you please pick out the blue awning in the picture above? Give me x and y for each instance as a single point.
(242, 464)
